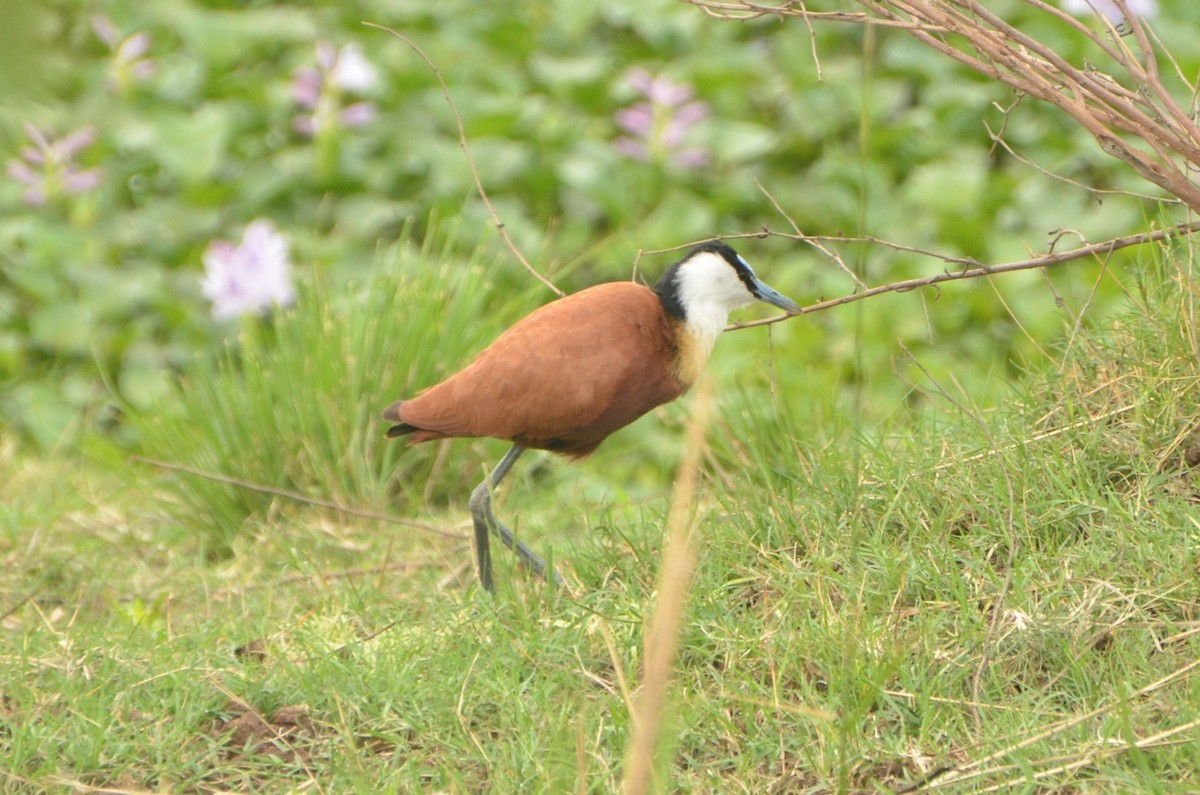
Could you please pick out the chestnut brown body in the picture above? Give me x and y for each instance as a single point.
(564, 377)
(579, 368)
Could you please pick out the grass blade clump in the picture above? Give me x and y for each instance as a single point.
(293, 401)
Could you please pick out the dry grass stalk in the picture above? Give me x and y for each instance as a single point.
(294, 496)
(983, 767)
(662, 638)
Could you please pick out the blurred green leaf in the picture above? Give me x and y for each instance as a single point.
(63, 328)
(45, 416)
(887, 137)
(736, 141)
(25, 30)
(950, 182)
(145, 385)
(221, 38)
(191, 146)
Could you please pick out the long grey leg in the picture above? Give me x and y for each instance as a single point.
(485, 523)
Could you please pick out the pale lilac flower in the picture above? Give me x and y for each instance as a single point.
(48, 169)
(320, 90)
(659, 90)
(249, 277)
(658, 126)
(352, 71)
(128, 62)
(306, 87)
(1109, 10)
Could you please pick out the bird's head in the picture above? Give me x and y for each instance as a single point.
(711, 281)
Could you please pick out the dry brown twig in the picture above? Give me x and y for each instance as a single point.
(1120, 110)
(1016, 60)
(294, 496)
(985, 766)
(662, 635)
(497, 221)
(971, 268)
(815, 242)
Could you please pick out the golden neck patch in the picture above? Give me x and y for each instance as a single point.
(691, 353)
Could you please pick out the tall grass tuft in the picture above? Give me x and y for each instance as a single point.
(294, 401)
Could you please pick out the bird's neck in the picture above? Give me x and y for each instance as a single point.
(697, 325)
(694, 305)
(706, 322)
(693, 346)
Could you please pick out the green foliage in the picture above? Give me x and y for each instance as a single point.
(294, 402)
(914, 557)
(99, 290)
(999, 588)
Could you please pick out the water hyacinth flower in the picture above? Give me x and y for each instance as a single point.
(129, 63)
(320, 90)
(48, 169)
(658, 126)
(1109, 9)
(249, 277)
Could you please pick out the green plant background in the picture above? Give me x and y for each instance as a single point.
(99, 298)
(938, 528)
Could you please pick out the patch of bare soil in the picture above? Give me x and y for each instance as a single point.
(285, 734)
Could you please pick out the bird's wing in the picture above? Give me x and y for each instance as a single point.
(600, 357)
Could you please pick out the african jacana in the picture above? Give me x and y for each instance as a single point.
(579, 368)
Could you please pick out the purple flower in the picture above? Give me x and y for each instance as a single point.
(128, 64)
(320, 90)
(658, 126)
(659, 90)
(1109, 10)
(248, 277)
(48, 169)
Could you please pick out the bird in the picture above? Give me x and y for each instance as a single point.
(577, 369)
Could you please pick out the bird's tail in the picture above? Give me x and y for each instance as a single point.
(392, 414)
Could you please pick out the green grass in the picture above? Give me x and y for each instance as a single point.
(1010, 592)
(295, 402)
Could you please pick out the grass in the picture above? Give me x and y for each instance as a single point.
(295, 403)
(1008, 596)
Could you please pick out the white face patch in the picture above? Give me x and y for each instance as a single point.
(709, 288)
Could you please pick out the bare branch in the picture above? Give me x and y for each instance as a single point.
(297, 497)
(1117, 110)
(812, 241)
(998, 140)
(1046, 261)
(462, 142)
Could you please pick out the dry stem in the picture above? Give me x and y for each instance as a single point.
(462, 142)
(1120, 108)
(971, 270)
(662, 637)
